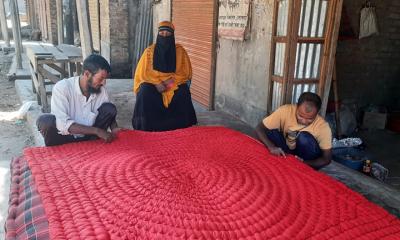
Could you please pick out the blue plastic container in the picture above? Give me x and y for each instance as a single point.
(351, 157)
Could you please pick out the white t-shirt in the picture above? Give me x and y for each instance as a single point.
(69, 105)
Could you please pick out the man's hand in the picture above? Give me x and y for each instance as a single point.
(277, 151)
(106, 136)
(299, 158)
(116, 130)
(161, 87)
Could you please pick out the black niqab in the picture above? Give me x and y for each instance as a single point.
(164, 59)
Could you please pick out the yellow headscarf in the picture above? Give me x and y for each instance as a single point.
(145, 72)
(166, 24)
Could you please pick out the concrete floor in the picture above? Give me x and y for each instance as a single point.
(383, 146)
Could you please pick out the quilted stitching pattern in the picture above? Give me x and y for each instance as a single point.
(195, 183)
(26, 216)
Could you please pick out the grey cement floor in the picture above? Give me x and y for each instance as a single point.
(121, 94)
(383, 146)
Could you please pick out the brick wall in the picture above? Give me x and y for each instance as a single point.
(94, 23)
(369, 69)
(115, 36)
(51, 12)
(119, 37)
(105, 20)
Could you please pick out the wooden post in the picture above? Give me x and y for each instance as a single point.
(332, 54)
(337, 105)
(3, 22)
(69, 25)
(42, 93)
(75, 22)
(34, 20)
(30, 11)
(60, 24)
(16, 32)
(84, 27)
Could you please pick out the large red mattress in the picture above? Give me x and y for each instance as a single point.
(195, 183)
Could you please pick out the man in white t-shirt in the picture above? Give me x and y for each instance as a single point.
(80, 107)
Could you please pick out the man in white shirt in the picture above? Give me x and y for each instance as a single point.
(80, 107)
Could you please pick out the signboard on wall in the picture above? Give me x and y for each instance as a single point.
(233, 19)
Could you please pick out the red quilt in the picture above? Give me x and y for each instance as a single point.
(195, 183)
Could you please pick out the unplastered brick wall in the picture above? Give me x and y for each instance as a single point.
(369, 68)
(105, 20)
(119, 36)
(115, 36)
(94, 23)
(51, 12)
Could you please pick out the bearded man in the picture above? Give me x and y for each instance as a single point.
(80, 107)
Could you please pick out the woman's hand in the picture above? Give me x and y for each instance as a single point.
(161, 87)
(169, 83)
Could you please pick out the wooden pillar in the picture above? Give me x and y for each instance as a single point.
(75, 22)
(69, 24)
(60, 24)
(16, 32)
(30, 11)
(332, 53)
(3, 22)
(84, 28)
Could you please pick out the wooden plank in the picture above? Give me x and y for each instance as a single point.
(278, 79)
(78, 68)
(34, 78)
(38, 50)
(47, 75)
(214, 51)
(35, 53)
(272, 58)
(60, 27)
(58, 69)
(42, 94)
(311, 40)
(332, 54)
(337, 105)
(35, 84)
(43, 26)
(3, 22)
(295, 8)
(57, 55)
(32, 13)
(69, 26)
(84, 26)
(70, 51)
(16, 30)
(281, 39)
(71, 69)
(31, 56)
(328, 35)
(305, 80)
(51, 70)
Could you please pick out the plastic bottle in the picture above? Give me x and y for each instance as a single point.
(367, 167)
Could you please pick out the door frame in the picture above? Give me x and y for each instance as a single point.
(291, 40)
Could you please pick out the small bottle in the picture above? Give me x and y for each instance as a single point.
(367, 167)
